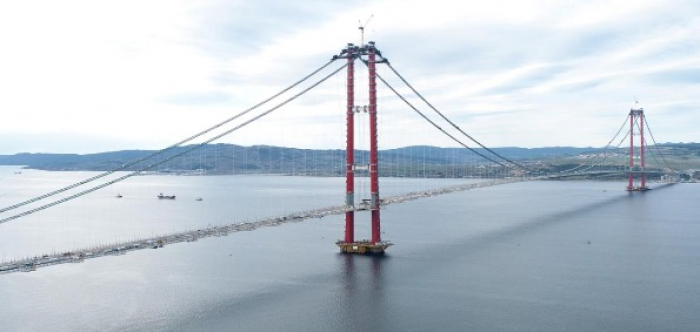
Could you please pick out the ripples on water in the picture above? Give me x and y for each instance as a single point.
(536, 256)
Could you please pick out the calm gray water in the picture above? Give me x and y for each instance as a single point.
(534, 256)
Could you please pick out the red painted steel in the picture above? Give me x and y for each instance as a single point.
(641, 144)
(630, 181)
(638, 115)
(350, 151)
(373, 155)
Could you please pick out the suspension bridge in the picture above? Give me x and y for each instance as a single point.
(627, 146)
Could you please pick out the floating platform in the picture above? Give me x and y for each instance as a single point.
(363, 247)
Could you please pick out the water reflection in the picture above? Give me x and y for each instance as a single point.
(363, 292)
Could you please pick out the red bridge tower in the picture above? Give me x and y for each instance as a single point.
(637, 117)
(350, 245)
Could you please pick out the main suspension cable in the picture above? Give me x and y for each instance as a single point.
(653, 156)
(603, 152)
(433, 123)
(452, 123)
(605, 156)
(656, 145)
(192, 148)
(178, 144)
(638, 125)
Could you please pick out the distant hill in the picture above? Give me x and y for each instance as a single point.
(235, 159)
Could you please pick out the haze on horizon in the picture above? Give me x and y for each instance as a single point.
(89, 76)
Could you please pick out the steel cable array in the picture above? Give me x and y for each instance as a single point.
(433, 123)
(605, 149)
(638, 126)
(159, 152)
(195, 147)
(656, 145)
(452, 123)
(605, 157)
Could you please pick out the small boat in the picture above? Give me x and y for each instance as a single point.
(198, 199)
(119, 195)
(161, 196)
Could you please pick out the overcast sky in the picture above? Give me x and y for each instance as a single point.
(90, 76)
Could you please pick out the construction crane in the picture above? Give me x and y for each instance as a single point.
(362, 29)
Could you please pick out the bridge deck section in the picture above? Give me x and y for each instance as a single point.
(79, 255)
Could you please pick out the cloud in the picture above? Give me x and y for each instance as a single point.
(52, 142)
(676, 76)
(205, 98)
(508, 71)
(244, 28)
(523, 78)
(578, 87)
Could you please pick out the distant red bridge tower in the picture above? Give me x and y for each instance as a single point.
(637, 117)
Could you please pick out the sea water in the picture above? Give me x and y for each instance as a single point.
(531, 256)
